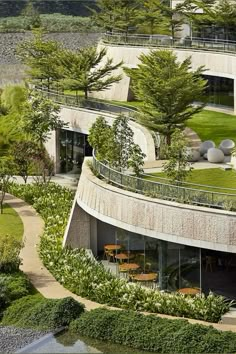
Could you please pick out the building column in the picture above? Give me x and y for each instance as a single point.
(162, 264)
(78, 230)
(235, 95)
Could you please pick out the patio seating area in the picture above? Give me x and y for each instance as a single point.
(129, 265)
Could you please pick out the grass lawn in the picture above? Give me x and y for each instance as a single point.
(10, 223)
(211, 177)
(214, 126)
(209, 125)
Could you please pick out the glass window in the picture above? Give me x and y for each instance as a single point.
(73, 147)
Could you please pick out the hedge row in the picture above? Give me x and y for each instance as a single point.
(88, 278)
(153, 333)
(36, 312)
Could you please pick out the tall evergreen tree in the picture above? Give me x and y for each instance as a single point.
(41, 59)
(85, 70)
(167, 89)
(150, 15)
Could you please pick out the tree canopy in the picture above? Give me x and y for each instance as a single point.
(167, 89)
(86, 70)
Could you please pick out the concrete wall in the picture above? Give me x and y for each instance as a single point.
(81, 120)
(216, 64)
(184, 224)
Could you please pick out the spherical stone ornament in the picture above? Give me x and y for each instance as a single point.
(215, 155)
(205, 146)
(227, 146)
(205, 156)
(193, 155)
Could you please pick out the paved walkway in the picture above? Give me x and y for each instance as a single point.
(40, 277)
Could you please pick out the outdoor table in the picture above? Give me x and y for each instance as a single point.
(189, 291)
(124, 256)
(126, 267)
(145, 277)
(112, 247)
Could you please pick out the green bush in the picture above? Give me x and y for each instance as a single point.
(84, 276)
(9, 254)
(40, 313)
(50, 22)
(153, 333)
(12, 287)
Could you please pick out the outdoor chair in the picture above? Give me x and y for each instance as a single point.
(205, 146)
(215, 155)
(227, 146)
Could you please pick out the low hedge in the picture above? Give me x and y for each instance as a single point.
(36, 312)
(153, 333)
(13, 286)
(86, 277)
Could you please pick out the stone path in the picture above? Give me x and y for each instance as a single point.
(40, 277)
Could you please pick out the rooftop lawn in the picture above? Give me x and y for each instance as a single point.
(214, 126)
(211, 177)
(10, 223)
(209, 125)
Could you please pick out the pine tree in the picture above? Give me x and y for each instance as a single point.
(41, 59)
(167, 89)
(85, 70)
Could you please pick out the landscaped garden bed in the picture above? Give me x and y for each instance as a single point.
(88, 278)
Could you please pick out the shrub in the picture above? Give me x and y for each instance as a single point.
(40, 313)
(84, 276)
(12, 287)
(9, 254)
(153, 333)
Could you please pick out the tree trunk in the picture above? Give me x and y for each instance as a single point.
(86, 94)
(168, 139)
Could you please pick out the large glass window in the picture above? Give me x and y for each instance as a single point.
(152, 262)
(73, 147)
(220, 90)
(214, 32)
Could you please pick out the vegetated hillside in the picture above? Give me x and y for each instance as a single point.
(66, 7)
(11, 70)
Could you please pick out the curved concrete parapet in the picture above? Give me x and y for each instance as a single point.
(164, 220)
(216, 64)
(81, 119)
(215, 155)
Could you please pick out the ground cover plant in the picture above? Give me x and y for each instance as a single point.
(50, 22)
(77, 271)
(36, 312)
(153, 333)
(13, 286)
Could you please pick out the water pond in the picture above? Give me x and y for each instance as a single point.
(67, 342)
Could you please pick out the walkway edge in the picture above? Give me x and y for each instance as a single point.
(43, 280)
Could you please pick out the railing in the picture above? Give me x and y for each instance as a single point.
(165, 191)
(216, 45)
(89, 103)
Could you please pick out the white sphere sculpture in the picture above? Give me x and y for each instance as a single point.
(215, 155)
(193, 155)
(227, 146)
(205, 146)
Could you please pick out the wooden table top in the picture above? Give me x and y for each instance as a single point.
(145, 277)
(189, 291)
(124, 256)
(112, 247)
(128, 266)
